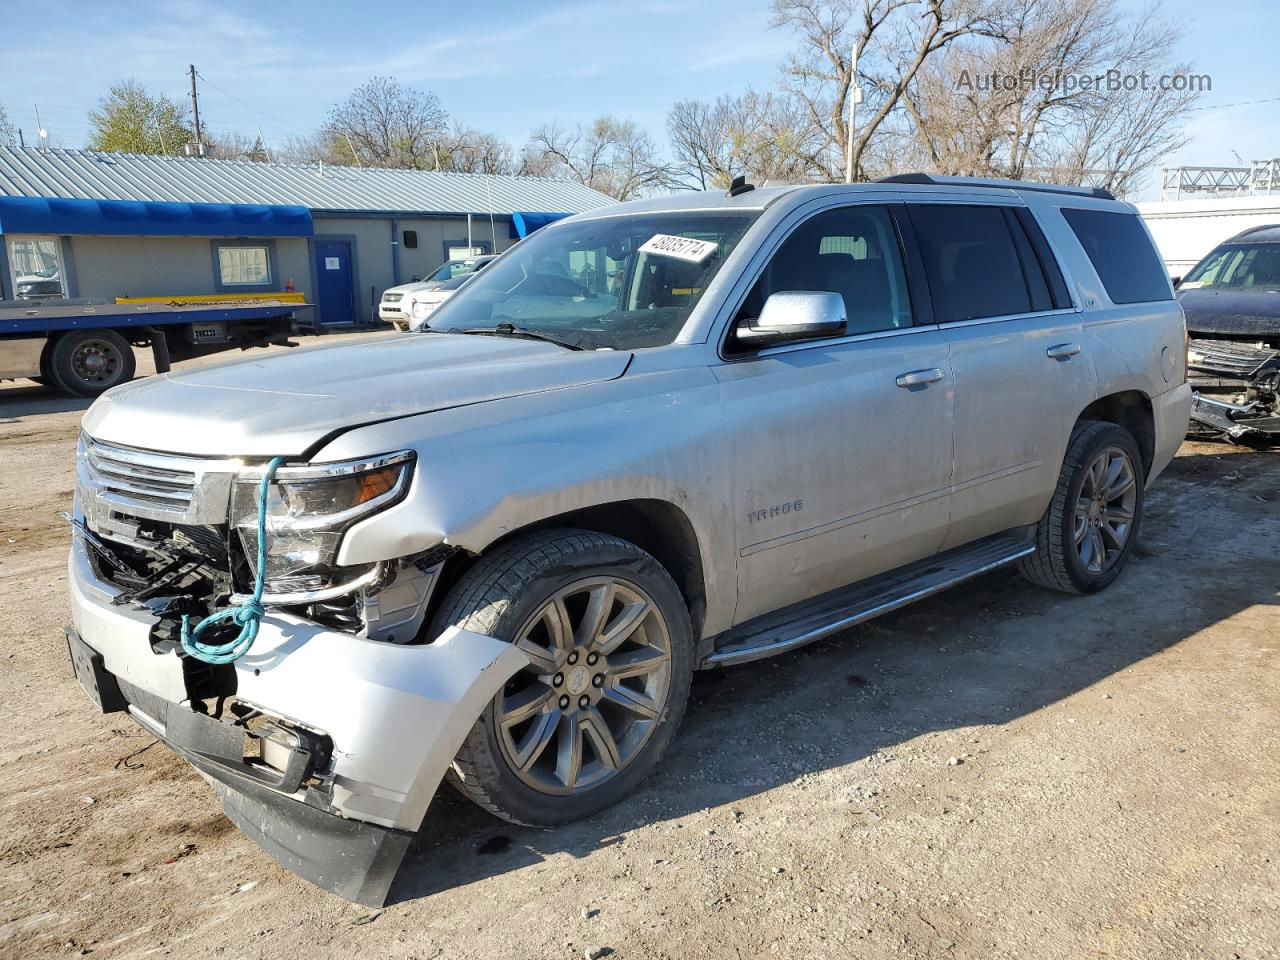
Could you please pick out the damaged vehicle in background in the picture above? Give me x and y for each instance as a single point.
(1231, 300)
(652, 438)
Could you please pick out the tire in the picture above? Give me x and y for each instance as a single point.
(86, 363)
(542, 587)
(1084, 540)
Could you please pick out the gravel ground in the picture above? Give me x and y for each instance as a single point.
(996, 772)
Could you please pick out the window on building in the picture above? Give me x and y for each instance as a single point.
(971, 261)
(244, 266)
(1121, 252)
(35, 268)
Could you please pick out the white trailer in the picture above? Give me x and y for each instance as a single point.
(1186, 230)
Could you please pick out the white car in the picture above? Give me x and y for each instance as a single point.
(397, 302)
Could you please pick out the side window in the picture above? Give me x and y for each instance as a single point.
(1121, 252)
(852, 251)
(971, 260)
(1048, 263)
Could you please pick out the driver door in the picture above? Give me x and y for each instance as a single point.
(841, 467)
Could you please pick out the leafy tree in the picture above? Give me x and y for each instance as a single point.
(130, 120)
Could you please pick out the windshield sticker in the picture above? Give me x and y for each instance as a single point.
(680, 248)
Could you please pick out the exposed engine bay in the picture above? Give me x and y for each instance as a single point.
(1237, 386)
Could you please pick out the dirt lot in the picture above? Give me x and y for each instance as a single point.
(1113, 792)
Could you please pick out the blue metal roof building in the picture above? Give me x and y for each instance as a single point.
(126, 225)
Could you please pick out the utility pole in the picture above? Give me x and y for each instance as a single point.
(855, 94)
(195, 110)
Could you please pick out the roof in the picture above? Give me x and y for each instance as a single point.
(1268, 233)
(91, 175)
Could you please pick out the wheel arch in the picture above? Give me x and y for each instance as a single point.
(658, 527)
(1132, 410)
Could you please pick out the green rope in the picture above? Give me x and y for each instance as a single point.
(246, 614)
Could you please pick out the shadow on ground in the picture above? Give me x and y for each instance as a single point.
(981, 654)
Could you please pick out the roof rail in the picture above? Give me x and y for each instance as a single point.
(926, 179)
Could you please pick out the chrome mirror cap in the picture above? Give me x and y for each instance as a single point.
(796, 315)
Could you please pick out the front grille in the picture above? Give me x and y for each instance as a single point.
(392, 297)
(157, 486)
(1227, 357)
(145, 478)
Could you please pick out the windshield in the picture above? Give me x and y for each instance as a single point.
(1237, 266)
(456, 268)
(622, 282)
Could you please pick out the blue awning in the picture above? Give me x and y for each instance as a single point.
(523, 224)
(138, 218)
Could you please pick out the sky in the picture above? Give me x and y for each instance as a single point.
(506, 67)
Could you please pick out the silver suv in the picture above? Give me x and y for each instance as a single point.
(669, 435)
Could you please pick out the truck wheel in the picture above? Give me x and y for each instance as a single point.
(610, 646)
(89, 362)
(1086, 536)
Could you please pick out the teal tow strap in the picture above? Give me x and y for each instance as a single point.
(246, 614)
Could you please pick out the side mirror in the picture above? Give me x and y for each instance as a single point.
(1176, 281)
(795, 315)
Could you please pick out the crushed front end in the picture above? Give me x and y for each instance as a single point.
(1237, 387)
(326, 741)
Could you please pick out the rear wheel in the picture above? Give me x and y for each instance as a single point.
(610, 654)
(89, 362)
(1086, 536)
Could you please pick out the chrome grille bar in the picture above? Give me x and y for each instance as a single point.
(154, 486)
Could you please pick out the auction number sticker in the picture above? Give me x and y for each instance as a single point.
(681, 248)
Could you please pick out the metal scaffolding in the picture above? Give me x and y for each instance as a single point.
(1261, 178)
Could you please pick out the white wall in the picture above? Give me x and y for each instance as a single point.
(1186, 230)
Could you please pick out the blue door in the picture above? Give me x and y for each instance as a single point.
(335, 281)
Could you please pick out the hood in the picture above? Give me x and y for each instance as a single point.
(283, 404)
(1242, 313)
(416, 287)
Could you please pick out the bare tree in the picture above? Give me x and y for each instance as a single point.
(895, 38)
(384, 123)
(8, 133)
(765, 137)
(609, 155)
(1028, 104)
(465, 150)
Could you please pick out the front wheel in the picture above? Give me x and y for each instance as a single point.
(610, 653)
(1086, 536)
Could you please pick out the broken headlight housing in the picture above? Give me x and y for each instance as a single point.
(309, 510)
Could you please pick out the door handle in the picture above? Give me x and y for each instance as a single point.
(1062, 351)
(918, 378)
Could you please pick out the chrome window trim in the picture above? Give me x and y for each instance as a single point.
(784, 348)
(1005, 318)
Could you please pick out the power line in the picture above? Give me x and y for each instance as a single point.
(1242, 103)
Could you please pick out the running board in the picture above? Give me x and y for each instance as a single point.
(838, 610)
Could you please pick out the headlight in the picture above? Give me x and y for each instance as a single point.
(309, 509)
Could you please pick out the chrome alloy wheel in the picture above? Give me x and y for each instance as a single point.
(1105, 509)
(598, 680)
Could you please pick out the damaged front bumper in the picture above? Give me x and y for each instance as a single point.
(1249, 373)
(355, 737)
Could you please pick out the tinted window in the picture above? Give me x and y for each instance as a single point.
(1238, 266)
(971, 260)
(852, 251)
(1048, 264)
(1121, 252)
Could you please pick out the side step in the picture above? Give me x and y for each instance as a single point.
(840, 609)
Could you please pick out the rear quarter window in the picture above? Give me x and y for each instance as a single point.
(1121, 252)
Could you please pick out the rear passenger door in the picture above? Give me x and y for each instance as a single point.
(1022, 375)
